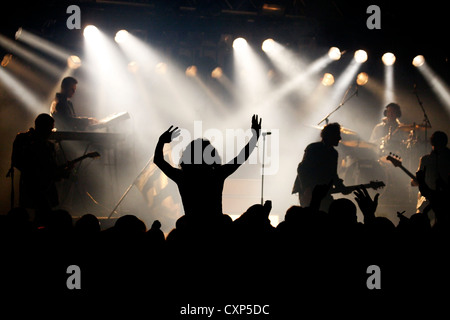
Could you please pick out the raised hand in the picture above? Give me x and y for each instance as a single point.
(255, 124)
(169, 135)
(365, 203)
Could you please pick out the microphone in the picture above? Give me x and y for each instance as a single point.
(415, 88)
(267, 133)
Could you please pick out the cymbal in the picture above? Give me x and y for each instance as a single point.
(358, 144)
(409, 127)
(344, 130)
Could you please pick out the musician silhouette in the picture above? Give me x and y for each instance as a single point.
(435, 168)
(201, 176)
(319, 167)
(386, 134)
(34, 155)
(63, 111)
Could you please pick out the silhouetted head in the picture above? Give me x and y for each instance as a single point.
(130, 224)
(44, 124)
(200, 153)
(69, 86)
(343, 212)
(331, 134)
(392, 111)
(60, 221)
(88, 224)
(438, 140)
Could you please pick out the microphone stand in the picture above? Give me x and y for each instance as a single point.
(262, 172)
(344, 100)
(426, 121)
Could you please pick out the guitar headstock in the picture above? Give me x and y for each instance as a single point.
(94, 154)
(395, 159)
(376, 185)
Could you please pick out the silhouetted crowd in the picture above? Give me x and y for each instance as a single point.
(310, 256)
(321, 261)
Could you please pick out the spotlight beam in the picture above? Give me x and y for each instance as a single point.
(28, 98)
(250, 72)
(42, 44)
(41, 63)
(294, 83)
(283, 59)
(437, 85)
(342, 85)
(389, 95)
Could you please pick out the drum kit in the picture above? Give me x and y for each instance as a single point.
(365, 161)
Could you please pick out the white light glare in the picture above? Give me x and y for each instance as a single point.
(90, 32)
(388, 59)
(74, 62)
(191, 71)
(217, 73)
(361, 56)
(418, 61)
(334, 53)
(121, 36)
(328, 79)
(239, 43)
(268, 45)
(362, 78)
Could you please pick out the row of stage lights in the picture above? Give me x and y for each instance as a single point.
(334, 53)
(268, 46)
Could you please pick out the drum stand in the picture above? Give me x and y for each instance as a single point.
(426, 121)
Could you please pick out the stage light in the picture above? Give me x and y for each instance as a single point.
(362, 78)
(418, 61)
(161, 68)
(334, 53)
(388, 59)
(90, 32)
(360, 56)
(6, 60)
(217, 73)
(268, 45)
(121, 36)
(191, 71)
(18, 33)
(239, 43)
(328, 79)
(74, 62)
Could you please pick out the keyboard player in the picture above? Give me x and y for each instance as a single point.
(63, 111)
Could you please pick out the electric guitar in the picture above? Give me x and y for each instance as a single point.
(371, 185)
(305, 196)
(397, 162)
(94, 154)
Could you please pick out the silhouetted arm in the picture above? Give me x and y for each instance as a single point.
(366, 204)
(319, 192)
(158, 158)
(234, 164)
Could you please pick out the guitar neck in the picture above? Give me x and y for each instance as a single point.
(408, 172)
(78, 159)
(353, 188)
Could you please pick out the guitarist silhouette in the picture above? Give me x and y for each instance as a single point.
(35, 157)
(319, 166)
(436, 167)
